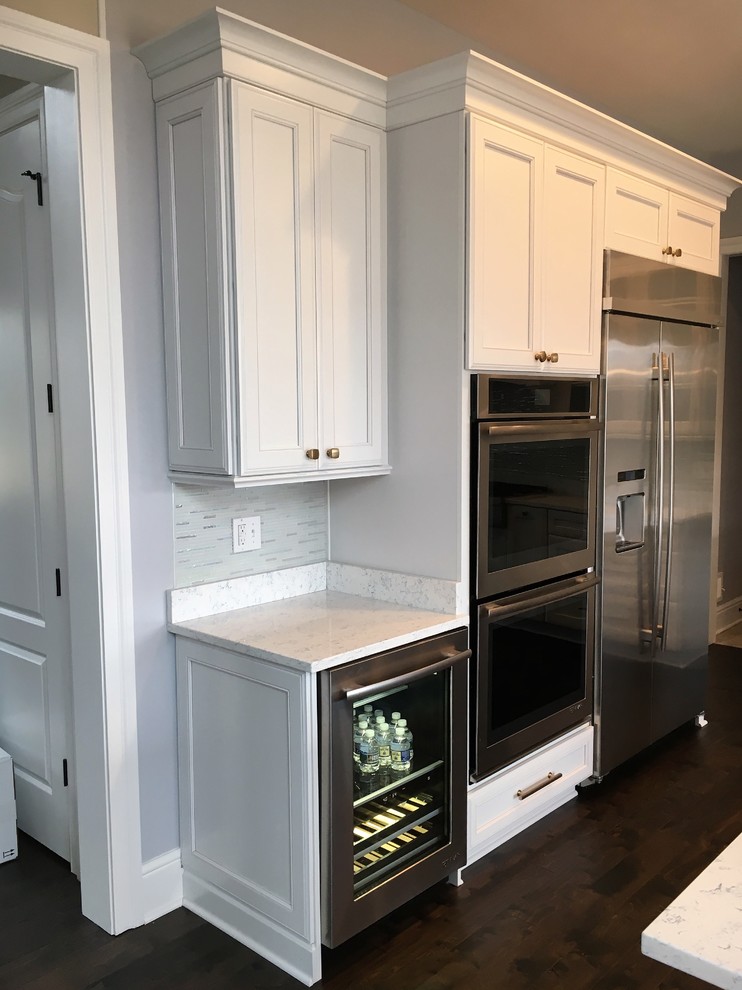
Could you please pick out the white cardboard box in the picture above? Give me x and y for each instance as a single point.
(8, 834)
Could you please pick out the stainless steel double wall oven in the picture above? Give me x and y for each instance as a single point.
(535, 453)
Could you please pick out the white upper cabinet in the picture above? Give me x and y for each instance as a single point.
(273, 204)
(655, 222)
(535, 219)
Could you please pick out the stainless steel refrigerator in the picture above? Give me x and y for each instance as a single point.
(660, 346)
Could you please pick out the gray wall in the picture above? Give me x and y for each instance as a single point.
(730, 518)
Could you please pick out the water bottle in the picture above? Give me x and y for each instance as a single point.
(357, 737)
(400, 752)
(403, 723)
(369, 753)
(368, 713)
(396, 716)
(383, 738)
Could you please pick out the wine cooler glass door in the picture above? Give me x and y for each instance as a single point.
(394, 777)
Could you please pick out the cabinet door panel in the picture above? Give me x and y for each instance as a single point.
(505, 178)
(694, 228)
(274, 280)
(349, 164)
(574, 191)
(190, 140)
(636, 215)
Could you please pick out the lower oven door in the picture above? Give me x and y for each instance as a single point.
(534, 669)
(388, 833)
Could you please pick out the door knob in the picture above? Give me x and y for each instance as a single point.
(678, 253)
(553, 357)
(333, 452)
(667, 250)
(313, 454)
(541, 356)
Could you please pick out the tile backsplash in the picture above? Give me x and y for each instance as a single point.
(293, 520)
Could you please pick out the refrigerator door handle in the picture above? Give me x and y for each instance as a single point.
(670, 497)
(659, 479)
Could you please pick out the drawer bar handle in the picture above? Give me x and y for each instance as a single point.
(528, 791)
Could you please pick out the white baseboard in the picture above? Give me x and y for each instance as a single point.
(728, 614)
(162, 885)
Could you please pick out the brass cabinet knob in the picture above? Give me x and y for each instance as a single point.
(667, 250)
(540, 356)
(313, 454)
(553, 357)
(678, 252)
(333, 452)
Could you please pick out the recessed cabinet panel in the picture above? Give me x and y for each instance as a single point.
(274, 263)
(636, 215)
(349, 181)
(504, 194)
(694, 228)
(189, 137)
(573, 259)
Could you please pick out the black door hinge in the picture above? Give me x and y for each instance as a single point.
(36, 176)
(65, 778)
(50, 398)
(58, 576)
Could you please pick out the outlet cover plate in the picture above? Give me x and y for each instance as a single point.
(246, 534)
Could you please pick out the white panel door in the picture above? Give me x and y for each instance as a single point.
(572, 243)
(693, 228)
(505, 187)
(636, 215)
(349, 170)
(274, 281)
(34, 621)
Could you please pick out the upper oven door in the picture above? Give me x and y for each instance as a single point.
(536, 502)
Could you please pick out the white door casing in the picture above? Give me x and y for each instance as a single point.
(35, 682)
(87, 308)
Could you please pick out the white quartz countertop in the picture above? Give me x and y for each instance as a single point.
(319, 630)
(701, 931)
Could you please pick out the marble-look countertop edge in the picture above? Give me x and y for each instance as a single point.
(325, 663)
(654, 947)
(699, 932)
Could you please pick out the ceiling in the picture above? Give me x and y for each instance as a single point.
(672, 68)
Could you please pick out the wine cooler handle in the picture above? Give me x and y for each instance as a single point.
(359, 691)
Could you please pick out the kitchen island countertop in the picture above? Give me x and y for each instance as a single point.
(701, 931)
(316, 631)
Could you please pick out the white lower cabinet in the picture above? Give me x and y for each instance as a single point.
(247, 750)
(521, 794)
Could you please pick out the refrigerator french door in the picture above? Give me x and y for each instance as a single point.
(660, 345)
(390, 831)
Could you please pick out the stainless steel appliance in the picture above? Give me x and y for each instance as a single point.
(386, 835)
(535, 480)
(660, 342)
(534, 669)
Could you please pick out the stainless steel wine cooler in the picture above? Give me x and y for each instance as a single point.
(389, 833)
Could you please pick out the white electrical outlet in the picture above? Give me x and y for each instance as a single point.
(246, 534)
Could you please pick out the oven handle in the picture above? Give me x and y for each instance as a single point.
(533, 599)
(542, 427)
(357, 692)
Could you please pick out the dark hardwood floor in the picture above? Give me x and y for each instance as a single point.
(559, 906)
